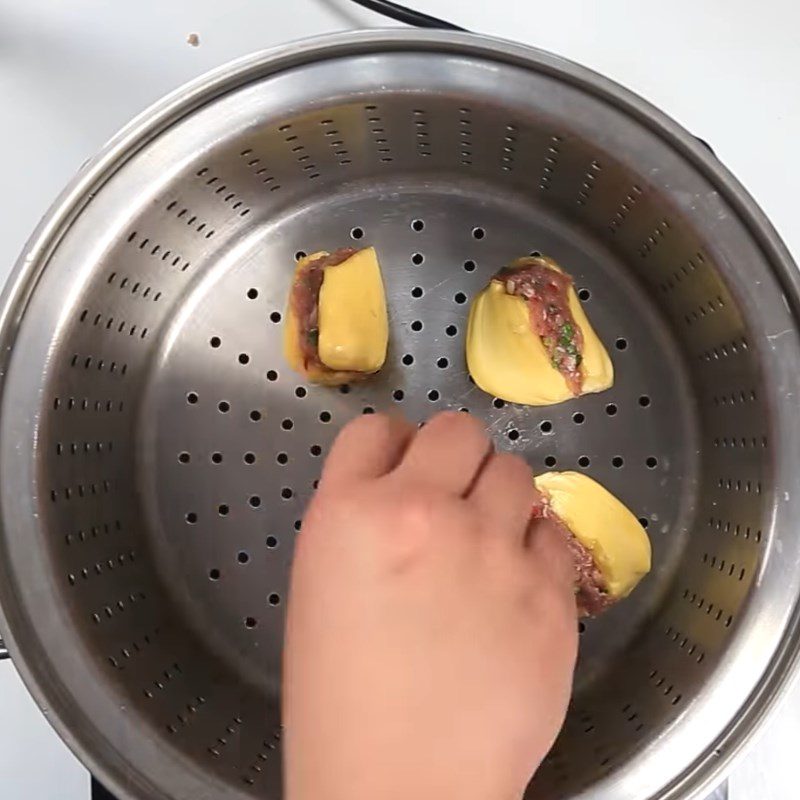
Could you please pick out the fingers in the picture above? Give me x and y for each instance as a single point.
(447, 453)
(504, 494)
(367, 447)
(547, 547)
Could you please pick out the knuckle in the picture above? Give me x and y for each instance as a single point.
(411, 529)
(417, 514)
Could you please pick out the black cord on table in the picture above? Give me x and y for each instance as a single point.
(407, 15)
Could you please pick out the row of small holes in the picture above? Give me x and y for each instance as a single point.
(509, 148)
(624, 208)
(261, 756)
(720, 565)
(660, 682)
(683, 642)
(632, 716)
(421, 133)
(100, 364)
(135, 286)
(733, 398)
(231, 728)
(738, 530)
(339, 150)
(192, 398)
(261, 171)
(742, 442)
(724, 350)
(378, 134)
(98, 318)
(119, 607)
(81, 535)
(465, 136)
(588, 183)
(192, 707)
(190, 219)
(98, 567)
(710, 307)
(156, 250)
(458, 297)
(165, 677)
(300, 154)
(418, 225)
(221, 189)
(129, 652)
(738, 486)
(84, 404)
(182, 719)
(550, 161)
(223, 509)
(682, 272)
(651, 462)
(701, 604)
(184, 457)
(546, 426)
(654, 238)
(81, 490)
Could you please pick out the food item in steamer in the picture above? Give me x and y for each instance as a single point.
(610, 549)
(529, 340)
(336, 328)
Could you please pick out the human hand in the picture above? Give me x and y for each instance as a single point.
(431, 632)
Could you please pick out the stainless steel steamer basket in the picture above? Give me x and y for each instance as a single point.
(156, 453)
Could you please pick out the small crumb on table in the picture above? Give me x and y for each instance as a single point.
(193, 39)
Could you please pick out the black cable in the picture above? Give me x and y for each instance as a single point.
(407, 15)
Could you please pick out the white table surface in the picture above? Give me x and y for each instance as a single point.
(73, 71)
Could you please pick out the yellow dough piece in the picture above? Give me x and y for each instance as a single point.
(507, 359)
(353, 321)
(616, 540)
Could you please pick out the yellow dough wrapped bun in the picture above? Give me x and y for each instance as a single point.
(603, 525)
(507, 358)
(353, 327)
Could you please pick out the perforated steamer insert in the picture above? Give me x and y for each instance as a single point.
(157, 454)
